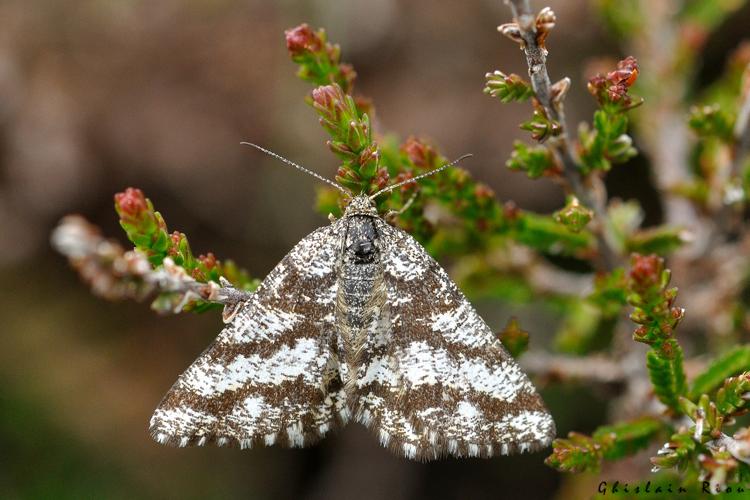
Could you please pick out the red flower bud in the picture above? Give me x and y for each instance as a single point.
(626, 72)
(302, 39)
(511, 211)
(327, 96)
(641, 331)
(614, 87)
(208, 260)
(174, 247)
(381, 180)
(131, 202)
(646, 270)
(419, 153)
(483, 191)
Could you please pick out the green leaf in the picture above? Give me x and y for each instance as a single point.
(573, 215)
(731, 396)
(610, 294)
(508, 88)
(712, 121)
(735, 361)
(661, 240)
(535, 161)
(607, 143)
(515, 340)
(541, 127)
(319, 61)
(584, 329)
(655, 312)
(579, 453)
(667, 375)
(161, 243)
(678, 452)
(628, 437)
(545, 234)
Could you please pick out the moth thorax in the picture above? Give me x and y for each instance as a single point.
(361, 292)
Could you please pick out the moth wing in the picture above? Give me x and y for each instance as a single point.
(271, 375)
(440, 382)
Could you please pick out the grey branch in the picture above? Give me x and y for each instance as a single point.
(727, 217)
(524, 30)
(592, 368)
(738, 448)
(742, 125)
(536, 59)
(116, 274)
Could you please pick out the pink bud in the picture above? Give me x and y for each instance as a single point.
(419, 153)
(131, 202)
(302, 39)
(326, 96)
(645, 270)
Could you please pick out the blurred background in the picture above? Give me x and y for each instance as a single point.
(96, 96)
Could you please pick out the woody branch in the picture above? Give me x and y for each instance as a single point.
(114, 273)
(531, 32)
(742, 125)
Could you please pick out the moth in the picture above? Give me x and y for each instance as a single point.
(357, 323)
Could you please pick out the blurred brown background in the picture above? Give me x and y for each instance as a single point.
(96, 96)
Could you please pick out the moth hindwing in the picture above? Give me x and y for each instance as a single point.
(358, 323)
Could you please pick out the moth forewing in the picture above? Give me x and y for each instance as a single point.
(444, 385)
(271, 376)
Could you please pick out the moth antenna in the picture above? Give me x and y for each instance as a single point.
(298, 167)
(421, 176)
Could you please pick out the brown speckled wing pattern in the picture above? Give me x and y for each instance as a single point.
(443, 384)
(271, 375)
(357, 322)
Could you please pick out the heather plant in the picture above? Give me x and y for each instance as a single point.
(677, 406)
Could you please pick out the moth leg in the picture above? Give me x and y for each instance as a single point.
(232, 299)
(391, 215)
(331, 217)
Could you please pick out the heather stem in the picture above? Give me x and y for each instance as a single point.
(594, 368)
(665, 133)
(742, 126)
(536, 58)
(725, 222)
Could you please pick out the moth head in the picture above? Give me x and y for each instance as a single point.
(361, 205)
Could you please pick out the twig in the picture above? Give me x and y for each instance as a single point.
(664, 133)
(726, 217)
(548, 279)
(115, 274)
(551, 101)
(742, 125)
(591, 368)
(739, 449)
(536, 59)
(742, 146)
